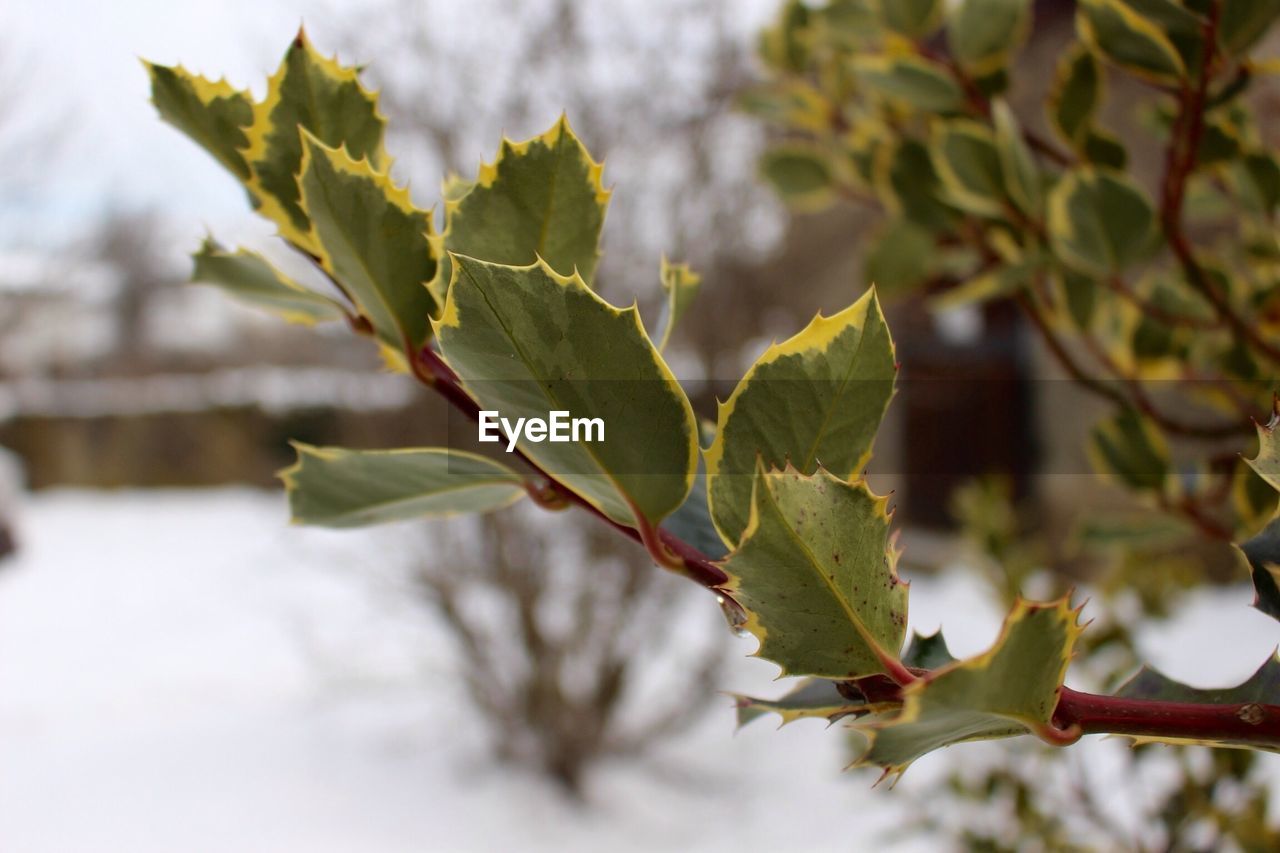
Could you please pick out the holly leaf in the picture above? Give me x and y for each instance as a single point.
(680, 283)
(541, 198)
(1253, 499)
(1263, 686)
(929, 652)
(315, 93)
(212, 113)
(1263, 553)
(333, 487)
(816, 575)
(692, 523)
(1267, 462)
(811, 698)
(372, 241)
(1012, 689)
(252, 279)
(815, 399)
(528, 341)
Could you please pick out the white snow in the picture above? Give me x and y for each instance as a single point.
(184, 671)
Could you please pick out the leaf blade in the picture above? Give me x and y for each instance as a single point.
(817, 397)
(1008, 690)
(541, 198)
(526, 341)
(335, 487)
(372, 240)
(312, 92)
(816, 576)
(252, 279)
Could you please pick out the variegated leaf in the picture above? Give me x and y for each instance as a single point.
(527, 341)
(815, 399)
(816, 575)
(311, 92)
(1011, 689)
(333, 487)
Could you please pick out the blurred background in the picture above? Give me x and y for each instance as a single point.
(179, 669)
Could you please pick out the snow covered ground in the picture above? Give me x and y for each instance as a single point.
(183, 671)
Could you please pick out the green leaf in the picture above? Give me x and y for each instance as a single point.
(982, 33)
(692, 521)
(811, 698)
(1242, 22)
(1099, 221)
(1077, 94)
(929, 652)
(333, 487)
(1129, 533)
(1257, 177)
(1263, 554)
(965, 155)
(1263, 686)
(373, 241)
(816, 575)
(213, 114)
(800, 174)
(1267, 462)
(1011, 689)
(1018, 167)
(541, 198)
(1220, 142)
(906, 182)
(250, 278)
(311, 92)
(900, 257)
(992, 284)
(1252, 498)
(912, 80)
(815, 399)
(911, 18)
(528, 341)
(1079, 294)
(1129, 448)
(1104, 149)
(680, 283)
(1133, 42)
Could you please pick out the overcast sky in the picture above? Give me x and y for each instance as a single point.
(79, 62)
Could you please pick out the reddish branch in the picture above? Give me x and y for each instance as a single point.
(1245, 723)
(1139, 400)
(1180, 160)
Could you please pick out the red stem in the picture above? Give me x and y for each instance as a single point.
(1180, 160)
(1243, 723)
